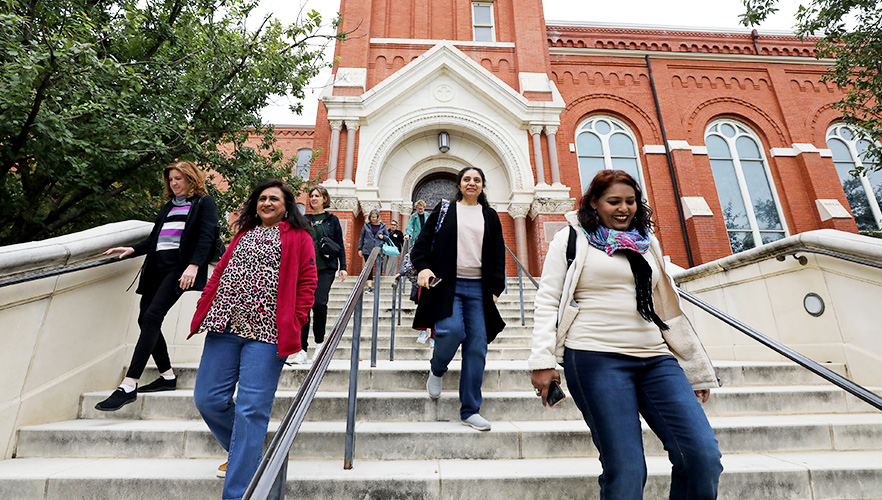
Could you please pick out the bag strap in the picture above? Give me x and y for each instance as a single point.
(571, 247)
(445, 204)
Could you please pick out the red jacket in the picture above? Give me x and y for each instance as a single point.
(297, 282)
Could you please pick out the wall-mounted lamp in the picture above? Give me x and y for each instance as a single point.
(444, 142)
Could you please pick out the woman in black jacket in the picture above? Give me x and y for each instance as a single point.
(325, 226)
(177, 254)
(461, 263)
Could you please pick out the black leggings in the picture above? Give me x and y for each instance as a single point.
(154, 307)
(319, 308)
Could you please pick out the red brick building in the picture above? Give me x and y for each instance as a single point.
(732, 135)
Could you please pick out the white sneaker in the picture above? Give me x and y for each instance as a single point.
(478, 422)
(300, 358)
(424, 336)
(433, 385)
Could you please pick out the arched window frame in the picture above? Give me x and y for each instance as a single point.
(587, 126)
(835, 132)
(303, 167)
(743, 130)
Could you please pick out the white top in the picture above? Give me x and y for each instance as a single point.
(608, 320)
(469, 240)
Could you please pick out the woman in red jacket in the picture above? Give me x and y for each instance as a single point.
(252, 310)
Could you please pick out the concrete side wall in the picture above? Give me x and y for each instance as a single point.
(66, 335)
(768, 295)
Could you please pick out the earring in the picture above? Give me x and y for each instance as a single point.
(286, 215)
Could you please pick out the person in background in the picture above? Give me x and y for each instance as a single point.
(177, 251)
(325, 225)
(461, 267)
(252, 311)
(416, 221)
(373, 234)
(390, 262)
(612, 317)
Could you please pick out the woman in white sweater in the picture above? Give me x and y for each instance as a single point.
(612, 318)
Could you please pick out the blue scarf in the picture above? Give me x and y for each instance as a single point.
(610, 240)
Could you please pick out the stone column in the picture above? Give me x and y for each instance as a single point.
(518, 212)
(551, 138)
(351, 127)
(536, 131)
(334, 152)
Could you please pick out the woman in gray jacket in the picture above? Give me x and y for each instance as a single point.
(612, 318)
(373, 234)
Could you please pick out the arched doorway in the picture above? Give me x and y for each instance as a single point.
(433, 187)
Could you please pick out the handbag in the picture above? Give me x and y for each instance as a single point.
(389, 248)
(329, 248)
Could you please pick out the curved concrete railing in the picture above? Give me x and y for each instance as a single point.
(72, 333)
(768, 295)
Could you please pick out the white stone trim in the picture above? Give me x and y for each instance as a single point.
(426, 41)
(654, 149)
(534, 82)
(695, 206)
(659, 149)
(799, 148)
(351, 77)
(831, 209)
(703, 56)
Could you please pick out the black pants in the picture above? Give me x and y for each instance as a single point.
(319, 308)
(154, 307)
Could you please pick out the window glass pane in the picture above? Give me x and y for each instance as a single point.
(588, 144)
(483, 34)
(747, 148)
(856, 196)
(627, 164)
(482, 15)
(840, 150)
(741, 241)
(621, 145)
(727, 130)
(761, 195)
(845, 133)
(717, 147)
(769, 236)
(734, 213)
(862, 146)
(588, 168)
(602, 127)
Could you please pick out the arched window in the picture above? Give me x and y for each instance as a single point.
(864, 192)
(304, 160)
(602, 142)
(748, 199)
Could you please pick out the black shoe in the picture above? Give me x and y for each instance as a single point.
(160, 385)
(117, 400)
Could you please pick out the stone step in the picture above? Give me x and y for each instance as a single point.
(416, 406)
(439, 440)
(410, 375)
(767, 476)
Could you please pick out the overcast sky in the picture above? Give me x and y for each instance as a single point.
(680, 13)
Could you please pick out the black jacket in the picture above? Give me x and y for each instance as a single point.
(196, 242)
(437, 303)
(332, 229)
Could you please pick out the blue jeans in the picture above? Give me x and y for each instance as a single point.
(611, 390)
(466, 327)
(240, 426)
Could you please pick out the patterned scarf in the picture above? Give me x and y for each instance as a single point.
(610, 240)
(634, 244)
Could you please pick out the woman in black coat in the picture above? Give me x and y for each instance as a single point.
(461, 263)
(177, 251)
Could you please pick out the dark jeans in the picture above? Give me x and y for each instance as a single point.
(154, 306)
(319, 308)
(612, 390)
(464, 327)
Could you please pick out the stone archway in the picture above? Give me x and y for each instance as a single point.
(435, 187)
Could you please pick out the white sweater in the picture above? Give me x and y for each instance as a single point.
(556, 309)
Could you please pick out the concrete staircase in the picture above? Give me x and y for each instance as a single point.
(784, 433)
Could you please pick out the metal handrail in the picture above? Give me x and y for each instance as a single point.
(60, 271)
(521, 271)
(809, 364)
(269, 480)
(802, 260)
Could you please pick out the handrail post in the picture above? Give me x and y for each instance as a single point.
(395, 284)
(521, 293)
(375, 324)
(353, 384)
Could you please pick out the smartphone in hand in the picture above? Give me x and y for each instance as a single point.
(555, 394)
(433, 282)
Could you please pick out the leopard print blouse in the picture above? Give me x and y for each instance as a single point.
(247, 294)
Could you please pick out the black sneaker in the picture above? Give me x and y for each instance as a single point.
(117, 400)
(160, 385)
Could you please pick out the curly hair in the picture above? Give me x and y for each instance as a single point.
(588, 217)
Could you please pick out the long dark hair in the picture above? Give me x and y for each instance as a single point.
(248, 218)
(642, 220)
(482, 198)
